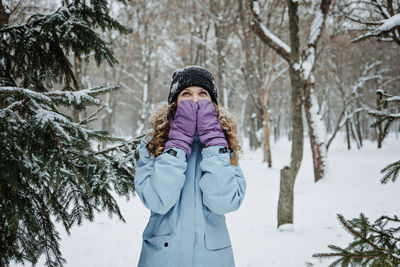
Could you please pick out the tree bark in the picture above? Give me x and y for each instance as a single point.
(317, 129)
(254, 127)
(358, 128)
(297, 77)
(267, 146)
(4, 15)
(288, 174)
(223, 98)
(348, 135)
(315, 125)
(264, 99)
(380, 130)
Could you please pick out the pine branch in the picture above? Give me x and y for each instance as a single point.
(51, 38)
(350, 227)
(373, 244)
(48, 170)
(91, 117)
(391, 171)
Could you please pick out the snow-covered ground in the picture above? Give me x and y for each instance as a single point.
(351, 186)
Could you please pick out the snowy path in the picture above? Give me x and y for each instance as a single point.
(351, 187)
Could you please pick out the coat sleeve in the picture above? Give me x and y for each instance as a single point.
(223, 185)
(159, 181)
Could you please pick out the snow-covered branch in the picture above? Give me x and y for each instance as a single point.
(387, 25)
(393, 99)
(379, 113)
(67, 98)
(351, 115)
(275, 39)
(267, 36)
(315, 34)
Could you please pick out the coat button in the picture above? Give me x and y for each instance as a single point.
(166, 244)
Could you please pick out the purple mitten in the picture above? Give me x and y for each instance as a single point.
(183, 127)
(208, 127)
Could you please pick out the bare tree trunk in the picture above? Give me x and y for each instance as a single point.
(277, 126)
(4, 14)
(354, 132)
(337, 128)
(315, 126)
(298, 76)
(224, 22)
(288, 174)
(220, 37)
(380, 130)
(267, 146)
(358, 128)
(254, 127)
(348, 135)
(264, 99)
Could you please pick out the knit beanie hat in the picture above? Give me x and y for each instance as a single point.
(192, 76)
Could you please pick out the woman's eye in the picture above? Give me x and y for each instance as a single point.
(185, 93)
(203, 93)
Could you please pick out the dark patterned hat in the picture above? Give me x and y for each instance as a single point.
(192, 76)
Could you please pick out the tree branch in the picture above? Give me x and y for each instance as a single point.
(266, 36)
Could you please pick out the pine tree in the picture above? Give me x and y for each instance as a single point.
(50, 168)
(375, 244)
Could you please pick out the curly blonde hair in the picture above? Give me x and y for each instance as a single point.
(164, 114)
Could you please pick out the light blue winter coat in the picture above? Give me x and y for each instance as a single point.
(188, 199)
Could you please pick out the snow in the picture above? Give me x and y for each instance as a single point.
(389, 23)
(174, 87)
(26, 92)
(393, 98)
(287, 227)
(383, 113)
(308, 63)
(296, 66)
(318, 126)
(315, 32)
(6, 6)
(256, 8)
(352, 187)
(316, 27)
(275, 39)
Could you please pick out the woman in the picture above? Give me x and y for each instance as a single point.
(188, 178)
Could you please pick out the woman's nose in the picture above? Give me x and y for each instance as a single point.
(195, 98)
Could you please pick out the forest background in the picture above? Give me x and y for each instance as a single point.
(279, 66)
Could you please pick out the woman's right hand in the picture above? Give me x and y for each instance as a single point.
(183, 127)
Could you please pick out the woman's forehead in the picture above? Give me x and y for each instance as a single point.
(193, 88)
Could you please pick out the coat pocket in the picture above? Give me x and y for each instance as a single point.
(159, 241)
(217, 239)
(157, 251)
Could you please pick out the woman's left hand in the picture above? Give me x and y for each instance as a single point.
(208, 127)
